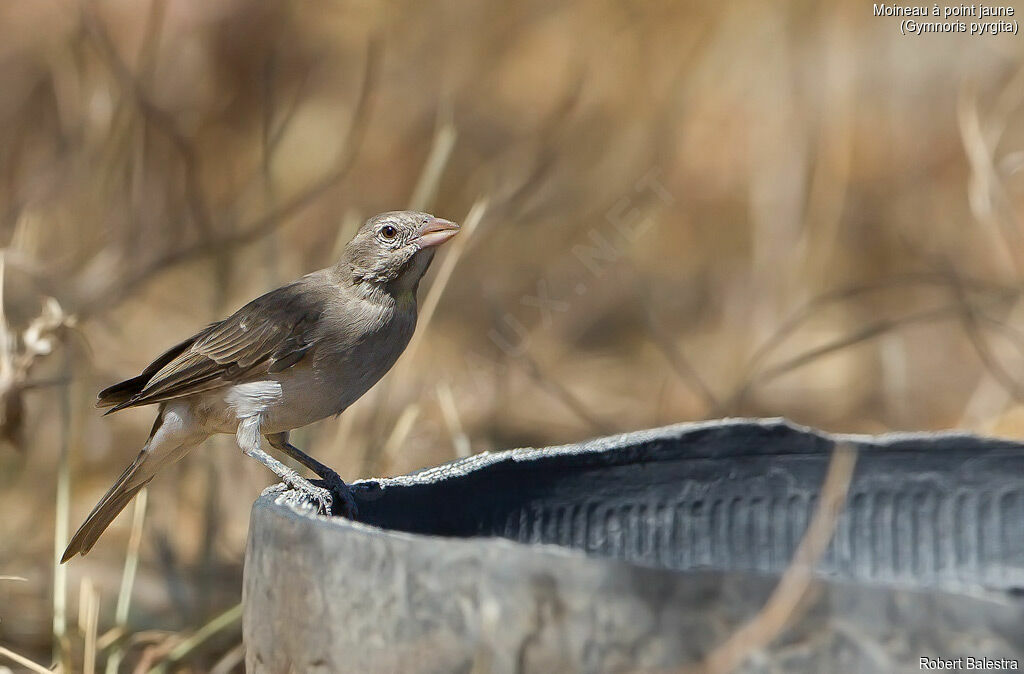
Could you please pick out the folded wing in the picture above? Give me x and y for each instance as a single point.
(271, 333)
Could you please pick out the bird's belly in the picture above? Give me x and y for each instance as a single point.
(286, 401)
(309, 391)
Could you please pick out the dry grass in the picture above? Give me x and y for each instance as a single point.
(692, 210)
(783, 606)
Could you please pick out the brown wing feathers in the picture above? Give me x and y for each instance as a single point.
(125, 390)
(268, 334)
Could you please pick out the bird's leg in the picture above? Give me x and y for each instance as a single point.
(248, 437)
(332, 480)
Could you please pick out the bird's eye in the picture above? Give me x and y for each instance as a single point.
(388, 231)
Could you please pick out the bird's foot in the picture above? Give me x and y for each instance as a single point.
(317, 495)
(344, 502)
(323, 500)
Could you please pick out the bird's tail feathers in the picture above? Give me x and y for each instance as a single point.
(122, 391)
(113, 502)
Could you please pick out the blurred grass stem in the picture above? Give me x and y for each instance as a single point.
(131, 563)
(784, 603)
(198, 638)
(88, 623)
(25, 662)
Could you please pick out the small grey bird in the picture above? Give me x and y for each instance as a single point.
(291, 357)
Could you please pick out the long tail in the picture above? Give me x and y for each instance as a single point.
(113, 502)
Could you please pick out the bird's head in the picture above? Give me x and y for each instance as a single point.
(393, 250)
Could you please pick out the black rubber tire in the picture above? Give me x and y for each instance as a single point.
(645, 550)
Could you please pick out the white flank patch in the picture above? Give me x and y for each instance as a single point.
(254, 397)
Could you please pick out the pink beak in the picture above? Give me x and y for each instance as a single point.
(435, 232)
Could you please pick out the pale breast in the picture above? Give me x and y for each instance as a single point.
(325, 384)
(355, 370)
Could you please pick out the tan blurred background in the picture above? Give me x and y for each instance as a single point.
(680, 210)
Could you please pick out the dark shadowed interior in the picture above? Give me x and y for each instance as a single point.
(922, 511)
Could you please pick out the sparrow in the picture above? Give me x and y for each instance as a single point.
(298, 354)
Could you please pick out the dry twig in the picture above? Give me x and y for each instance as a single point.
(783, 605)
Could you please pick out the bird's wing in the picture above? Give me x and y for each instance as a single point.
(270, 334)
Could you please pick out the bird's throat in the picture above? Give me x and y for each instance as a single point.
(405, 300)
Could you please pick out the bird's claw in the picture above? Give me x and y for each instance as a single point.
(323, 500)
(342, 496)
(314, 495)
(305, 494)
(347, 507)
